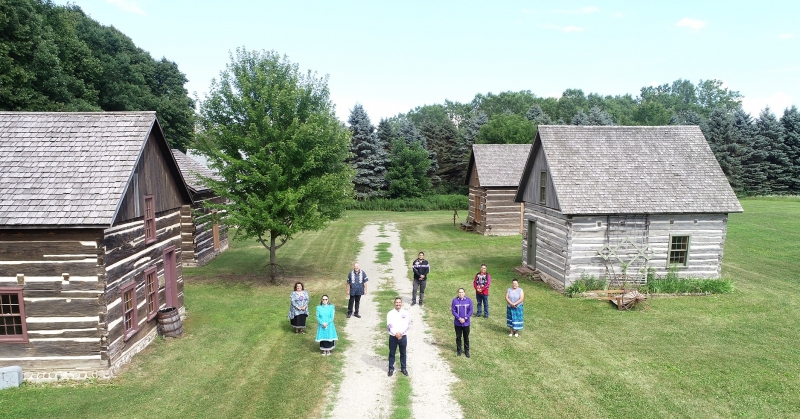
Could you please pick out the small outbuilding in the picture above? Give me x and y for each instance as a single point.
(90, 240)
(203, 237)
(493, 177)
(623, 203)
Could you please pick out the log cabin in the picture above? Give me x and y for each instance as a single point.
(493, 177)
(90, 239)
(203, 236)
(623, 203)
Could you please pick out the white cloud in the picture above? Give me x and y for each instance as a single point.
(777, 102)
(128, 6)
(691, 23)
(786, 36)
(617, 15)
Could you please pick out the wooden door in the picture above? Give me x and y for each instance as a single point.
(171, 277)
(531, 247)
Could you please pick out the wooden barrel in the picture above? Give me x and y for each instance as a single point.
(169, 322)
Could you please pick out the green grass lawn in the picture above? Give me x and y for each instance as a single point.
(730, 355)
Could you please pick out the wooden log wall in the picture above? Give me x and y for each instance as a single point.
(127, 256)
(476, 197)
(567, 247)
(202, 245)
(551, 243)
(502, 214)
(62, 278)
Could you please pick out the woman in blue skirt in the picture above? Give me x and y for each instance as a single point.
(326, 330)
(514, 312)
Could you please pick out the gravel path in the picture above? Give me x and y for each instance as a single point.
(366, 391)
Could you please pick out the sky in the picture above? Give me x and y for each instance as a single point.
(394, 56)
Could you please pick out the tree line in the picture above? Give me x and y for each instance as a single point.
(426, 150)
(57, 59)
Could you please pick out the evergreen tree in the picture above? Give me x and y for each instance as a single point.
(367, 155)
(791, 140)
(598, 116)
(769, 136)
(754, 175)
(444, 140)
(725, 142)
(536, 115)
(580, 118)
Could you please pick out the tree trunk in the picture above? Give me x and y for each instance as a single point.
(273, 267)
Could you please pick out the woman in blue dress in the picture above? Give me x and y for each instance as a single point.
(515, 316)
(298, 308)
(326, 330)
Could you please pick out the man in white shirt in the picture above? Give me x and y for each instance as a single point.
(397, 323)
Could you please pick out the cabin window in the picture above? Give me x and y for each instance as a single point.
(678, 250)
(149, 219)
(130, 322)
(542, 187)
(12, 316)
(151, 291)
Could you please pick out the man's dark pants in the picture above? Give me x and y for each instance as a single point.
(462, 330)
(421, 284)
(393, 344)
(354, 299)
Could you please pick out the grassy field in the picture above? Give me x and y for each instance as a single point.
(732, 355)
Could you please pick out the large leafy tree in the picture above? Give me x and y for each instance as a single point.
(507, 129)
(407, 174)
(272, 134)
(368, 158)
(55, 58)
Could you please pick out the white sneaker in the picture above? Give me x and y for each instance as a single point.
(510, 334)
(516, 335)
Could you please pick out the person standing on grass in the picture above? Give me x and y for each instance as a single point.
(462, 310)
(514, 314)
(397, 324)
(298, 308)
(420, 267)
(356, 287)
(326, 330)
(481, 284)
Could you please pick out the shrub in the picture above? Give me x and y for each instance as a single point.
(674, 285)
(586, 283)
(428, 203)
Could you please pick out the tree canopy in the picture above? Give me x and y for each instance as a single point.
(271, 133)
(55, 58)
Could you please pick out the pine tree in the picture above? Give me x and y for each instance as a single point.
(791, 140)
(753, 174)
(598, 116)
(536, 115)
(580, 118)
(769, 135)
(367, 155)
(725, 142)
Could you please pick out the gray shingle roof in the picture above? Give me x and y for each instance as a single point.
(60, 169)
(499, 164)
(635, 170)
(190, 169)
